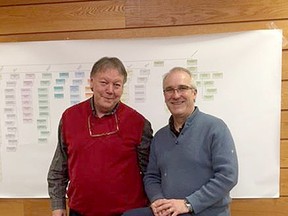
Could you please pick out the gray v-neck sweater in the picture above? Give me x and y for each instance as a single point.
(199, 165)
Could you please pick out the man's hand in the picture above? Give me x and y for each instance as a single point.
(169, 207)
(59, 212)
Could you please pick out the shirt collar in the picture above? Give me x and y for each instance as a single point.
(171, 123)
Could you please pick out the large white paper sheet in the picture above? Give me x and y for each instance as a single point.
(238, 77)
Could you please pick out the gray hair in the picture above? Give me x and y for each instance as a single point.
(109, 63)
(193, 84)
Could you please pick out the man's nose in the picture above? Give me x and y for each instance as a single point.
(110, 87)
(176, 93)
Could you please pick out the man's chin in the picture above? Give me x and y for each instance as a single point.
(176, 110)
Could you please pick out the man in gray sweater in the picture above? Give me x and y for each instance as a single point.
(193, 162)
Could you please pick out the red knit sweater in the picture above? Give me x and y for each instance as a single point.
(104, 173)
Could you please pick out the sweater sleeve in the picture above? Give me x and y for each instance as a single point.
(143, 149)
(225, 167)
(58, 174)
(152, 178)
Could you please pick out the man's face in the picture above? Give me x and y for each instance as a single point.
(179, 96)
(107, 87)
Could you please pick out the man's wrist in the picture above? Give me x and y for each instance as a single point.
(188, 205)
(58, 204)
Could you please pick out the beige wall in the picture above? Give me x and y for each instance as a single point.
(38, 20)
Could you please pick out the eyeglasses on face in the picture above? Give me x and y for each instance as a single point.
(181, 89)
(114, 128)
(105, 84)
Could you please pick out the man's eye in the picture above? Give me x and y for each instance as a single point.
(169, 89)
(183, 88)
(103, 83)
(117, 85)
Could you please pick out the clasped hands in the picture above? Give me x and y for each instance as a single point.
(169, 207)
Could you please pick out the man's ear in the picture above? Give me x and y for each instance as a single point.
(91, 84)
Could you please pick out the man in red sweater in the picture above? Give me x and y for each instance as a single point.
(102, 151)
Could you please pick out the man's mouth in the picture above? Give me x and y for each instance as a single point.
(177, 102)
